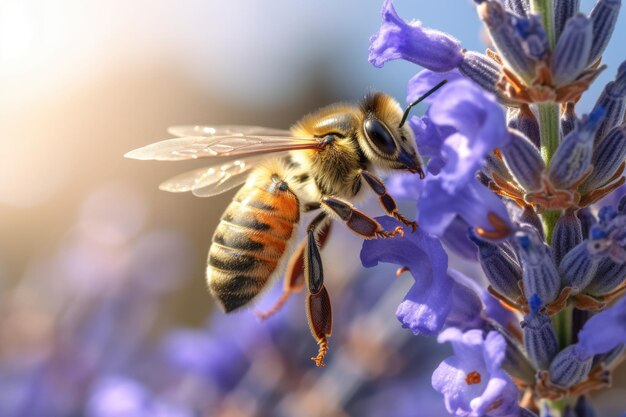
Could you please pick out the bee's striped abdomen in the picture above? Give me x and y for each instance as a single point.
(251, 239)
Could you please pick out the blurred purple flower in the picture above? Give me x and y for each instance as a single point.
(117, 396)
(472, 382)
(197, 352)
(604, 331)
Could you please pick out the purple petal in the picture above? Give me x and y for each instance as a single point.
(425, 312)
(605, 330)
(425, 80)
(495, 348)
(489, 388)
(467, 307)
(438, 207)
(398, 39)
(480, 124)
(427, 304)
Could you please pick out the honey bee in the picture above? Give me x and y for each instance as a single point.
(320, 164)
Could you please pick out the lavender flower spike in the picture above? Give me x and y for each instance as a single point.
(398, 39)
(472, 382)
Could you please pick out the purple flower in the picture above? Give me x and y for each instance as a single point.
(117, 396)
(605, 330)
(219, 361)
(427, 304)
(436, 298)
(398, 39)
(472, 382)
(463, 126)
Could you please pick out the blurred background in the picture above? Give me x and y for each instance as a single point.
(103, 307)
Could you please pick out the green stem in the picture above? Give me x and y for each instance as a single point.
(562, 322)
(549, 219)
(546, 9)
(549, 129)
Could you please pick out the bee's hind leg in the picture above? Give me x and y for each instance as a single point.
(386, 201)
(294, 275)
(292, 283)
(319, 312)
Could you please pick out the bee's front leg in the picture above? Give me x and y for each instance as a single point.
(357, 221)
(386, 201)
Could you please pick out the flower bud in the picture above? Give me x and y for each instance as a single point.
(609, 276)
(579, 266)
(568, 120)
(613, 101)
(606, 159)
(502, 271)
(603, 16)
(540, 276)
(534, 38)
(505, 39)
(524, 161)
(567, 234)
(570, 366)
(495, 166)
(539, 339)
(587, 220)
(481, 69)
(571, 54)
(525, 121)
(572, 158)
(563, 10)
(530, 216)
(518, 7)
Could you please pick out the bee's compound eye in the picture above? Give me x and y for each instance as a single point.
(379, 136)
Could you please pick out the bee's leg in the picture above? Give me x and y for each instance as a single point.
(357, 221)
(309, 207)
(317, 303)
(294, 275)
(386, 201)
(292, 283)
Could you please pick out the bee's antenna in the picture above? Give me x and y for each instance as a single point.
(426, 94)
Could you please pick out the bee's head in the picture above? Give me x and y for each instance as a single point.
(383, 140)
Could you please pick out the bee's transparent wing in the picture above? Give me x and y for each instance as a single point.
(226, 130)
(214, 179)
(194, 147)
